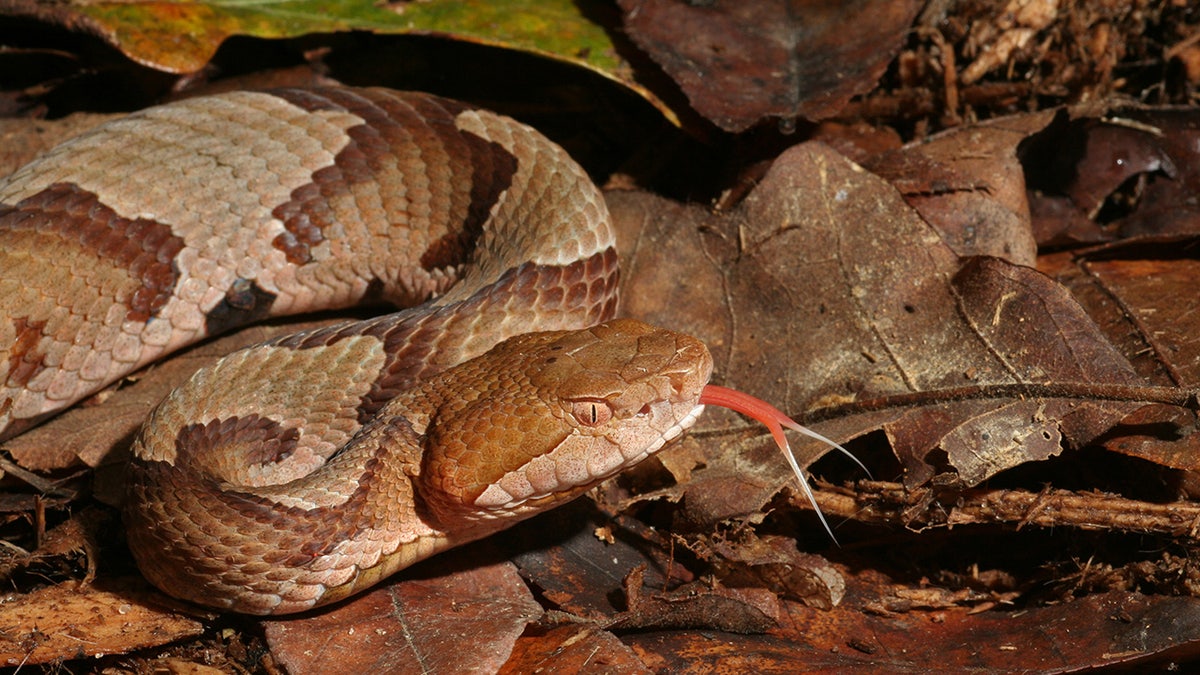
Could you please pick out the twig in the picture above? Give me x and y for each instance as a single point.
(884, 502)
(1176, 396)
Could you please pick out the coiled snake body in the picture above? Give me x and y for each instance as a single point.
(294, 473)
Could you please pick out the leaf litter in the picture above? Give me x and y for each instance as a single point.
(998, 321)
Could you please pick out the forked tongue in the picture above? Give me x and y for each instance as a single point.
(775, 421)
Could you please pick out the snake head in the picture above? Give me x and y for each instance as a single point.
(543, 417)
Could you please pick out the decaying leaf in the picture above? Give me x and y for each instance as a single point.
(405, 626)
(1117, 628)
(1127, 174)
(744, 62)
(696, 605)
(773, 562)
(576, 648)
(64, 622)
(1025, 413)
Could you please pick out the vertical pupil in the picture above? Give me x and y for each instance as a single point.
(591, 413)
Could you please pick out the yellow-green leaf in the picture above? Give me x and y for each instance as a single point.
(181, 37)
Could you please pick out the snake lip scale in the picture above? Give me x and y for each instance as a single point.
(297, 472)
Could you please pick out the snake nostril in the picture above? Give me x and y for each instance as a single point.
(644, 411)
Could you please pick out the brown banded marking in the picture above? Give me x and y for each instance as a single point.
(284, 202)
(66, 221)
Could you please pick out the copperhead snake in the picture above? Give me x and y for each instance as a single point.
(295, 473)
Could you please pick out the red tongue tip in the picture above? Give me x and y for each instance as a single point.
(774, 420)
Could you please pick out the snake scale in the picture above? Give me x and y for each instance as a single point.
(297, 472)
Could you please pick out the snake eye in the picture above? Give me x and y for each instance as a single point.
(591, 412)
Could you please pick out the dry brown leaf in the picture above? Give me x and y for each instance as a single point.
(582, 573)
(1151, 290)
(63, 622)
(774, 563)
(825, 289)
(573, 648)
(23, 139)
(968, 183)
(744, 62)
(830, 288)
(1121, 172)
(1117, 628)
(698, 604)
(462, 621)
